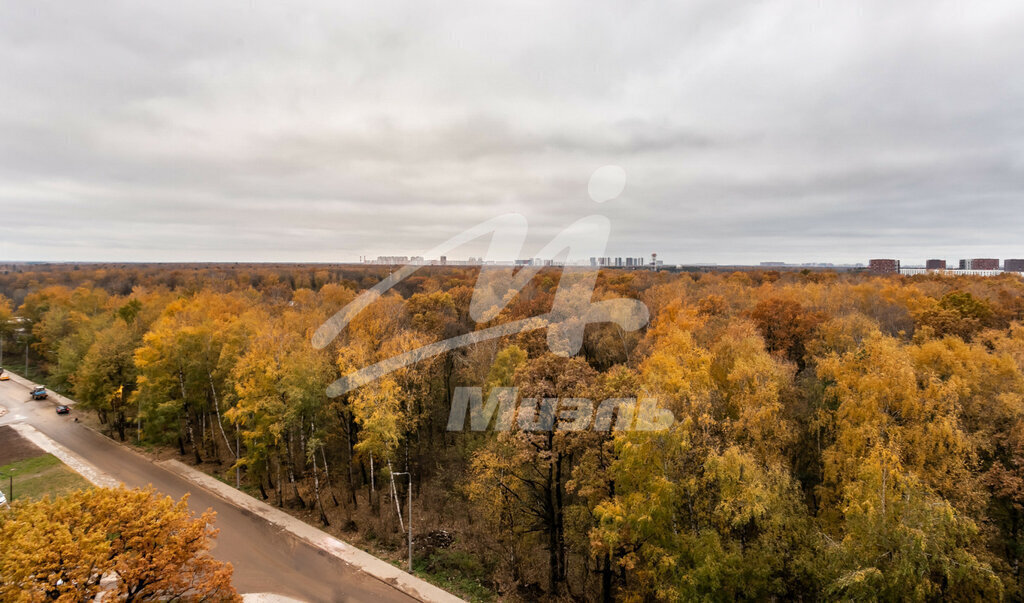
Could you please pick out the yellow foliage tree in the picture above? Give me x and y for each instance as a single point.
(153, 547)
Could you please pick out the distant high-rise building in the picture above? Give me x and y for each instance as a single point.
(392, 259)
(980, 264)
(935, 264)
(885, 266)
(1013, 265)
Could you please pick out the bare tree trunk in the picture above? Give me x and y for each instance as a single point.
(606, 579)
(327, 476)
(316, 486)
(374, 495)
(394, 494)
(211, 451)
(238, 469)
(259, 482)
(220, 423)
(302, 444)
(280, 484)
(291, 474)
(560, 518)
(192, 437)
(188, 418)
(351, 463)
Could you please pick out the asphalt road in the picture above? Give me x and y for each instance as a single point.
(266, 559)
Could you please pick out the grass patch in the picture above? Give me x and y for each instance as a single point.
(457, 572)
(38, 476)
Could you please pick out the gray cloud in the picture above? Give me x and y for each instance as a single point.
(324, 131)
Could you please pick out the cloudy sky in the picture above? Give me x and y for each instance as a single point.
(324, 131)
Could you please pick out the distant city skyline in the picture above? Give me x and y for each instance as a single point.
(1016, 262)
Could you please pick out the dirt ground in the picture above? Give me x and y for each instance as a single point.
(14, 448)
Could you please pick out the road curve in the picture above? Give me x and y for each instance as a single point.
(266, 559)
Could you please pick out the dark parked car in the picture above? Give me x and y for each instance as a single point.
(39, 393)
(63, 410)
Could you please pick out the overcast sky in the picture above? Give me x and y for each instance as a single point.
(749, 131)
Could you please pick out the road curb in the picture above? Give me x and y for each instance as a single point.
(357, 558)
(72, 460)
(51, 395)
(56, 400)
(365, 562)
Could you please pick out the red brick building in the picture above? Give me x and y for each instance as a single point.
(884, 266)
(935, 264)
(1013, 265)
(983, 264)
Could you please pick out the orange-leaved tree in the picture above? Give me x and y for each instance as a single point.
(153, 547)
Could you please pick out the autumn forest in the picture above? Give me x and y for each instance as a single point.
(835, 435)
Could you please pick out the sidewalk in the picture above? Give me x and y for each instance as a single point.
(75, 462)
(357, 558)
(378, 568)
